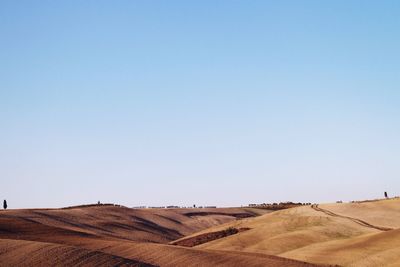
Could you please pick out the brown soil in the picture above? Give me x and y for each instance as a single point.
(207, 237)
(114, 222)
(31, 253)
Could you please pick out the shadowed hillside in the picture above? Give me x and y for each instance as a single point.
(114, 222)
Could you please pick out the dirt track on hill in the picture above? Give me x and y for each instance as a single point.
(358, 221)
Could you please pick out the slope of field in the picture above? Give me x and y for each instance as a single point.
(347, 234)
(381, 249)
(167, 255)
(385, 213)
(356, 234)
(146, 225)
(286, 230)
(113, 236)
(30, 253)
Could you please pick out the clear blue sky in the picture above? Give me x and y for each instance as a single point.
(198, 102)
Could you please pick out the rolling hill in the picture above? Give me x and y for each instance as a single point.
(349, 234)
(365, 233)
(114, 236)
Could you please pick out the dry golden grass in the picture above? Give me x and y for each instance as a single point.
(384, 212)
(379, 249)
(354, 234)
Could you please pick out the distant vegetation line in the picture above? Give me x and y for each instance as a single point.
(93, 205)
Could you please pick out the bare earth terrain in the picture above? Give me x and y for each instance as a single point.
(345, 234)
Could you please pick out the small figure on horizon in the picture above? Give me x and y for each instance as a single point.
(386, 195)
(98, 202)
(5, 204)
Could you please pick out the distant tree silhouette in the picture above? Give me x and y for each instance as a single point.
(5, 204)
(386, 196)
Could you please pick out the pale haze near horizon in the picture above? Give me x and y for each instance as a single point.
(210, 102)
